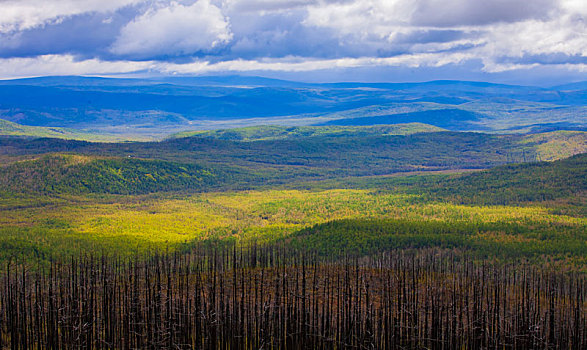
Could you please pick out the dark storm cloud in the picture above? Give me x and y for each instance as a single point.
(479, 12)
(85, 35)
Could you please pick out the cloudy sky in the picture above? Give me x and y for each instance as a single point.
(513, 41)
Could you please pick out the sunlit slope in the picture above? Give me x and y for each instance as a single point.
(275, 132)
(557, 144)
(8, 128)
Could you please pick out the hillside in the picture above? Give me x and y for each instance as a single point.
(275, 132)
(70, 174)
(354, 153)
(14, 129)
(507, 184)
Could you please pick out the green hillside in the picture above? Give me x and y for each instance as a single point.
(557, 144)
(13, 129)
(529, 182)
(562, 184)
(274, 132)
(8, 128)
(71, 174)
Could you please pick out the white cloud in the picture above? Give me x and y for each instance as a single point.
(526, 44)
(500, 30)
(291, 35)
(363, 17)
(174, 30)
(301, 64)
(265, 5)
(66, 65)
(574, 6)
(562, 35)
(17, 15)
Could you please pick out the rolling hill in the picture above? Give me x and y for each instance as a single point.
(265, 156)
(159, 107)
(274, 132)
(13, 129)
(455, 119)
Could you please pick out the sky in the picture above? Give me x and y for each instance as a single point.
(533, 42)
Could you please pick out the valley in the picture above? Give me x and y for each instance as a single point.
(403, 203)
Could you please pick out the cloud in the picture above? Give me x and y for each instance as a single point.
(18, 15)
(174, 30)
(442, 13)
(269, 6)
(86, 35)
(67, 65)
(420, 67)
(198, 36)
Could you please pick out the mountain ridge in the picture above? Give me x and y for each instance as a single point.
(163, 106)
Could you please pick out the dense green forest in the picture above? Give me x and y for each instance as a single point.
(529, 182)
(365, 237)
(72, 174)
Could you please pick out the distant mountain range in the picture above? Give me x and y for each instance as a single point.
(161, 106)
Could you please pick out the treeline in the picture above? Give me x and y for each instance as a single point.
(272, 297)
(71, 174)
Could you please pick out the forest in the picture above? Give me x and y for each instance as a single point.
(385, 237)
(275, 297)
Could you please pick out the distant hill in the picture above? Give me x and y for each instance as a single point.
(74, 174)
(582, 85)
(14, 129)
(220, 80)
(161, 106)
(444, 118)
(274, 132)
